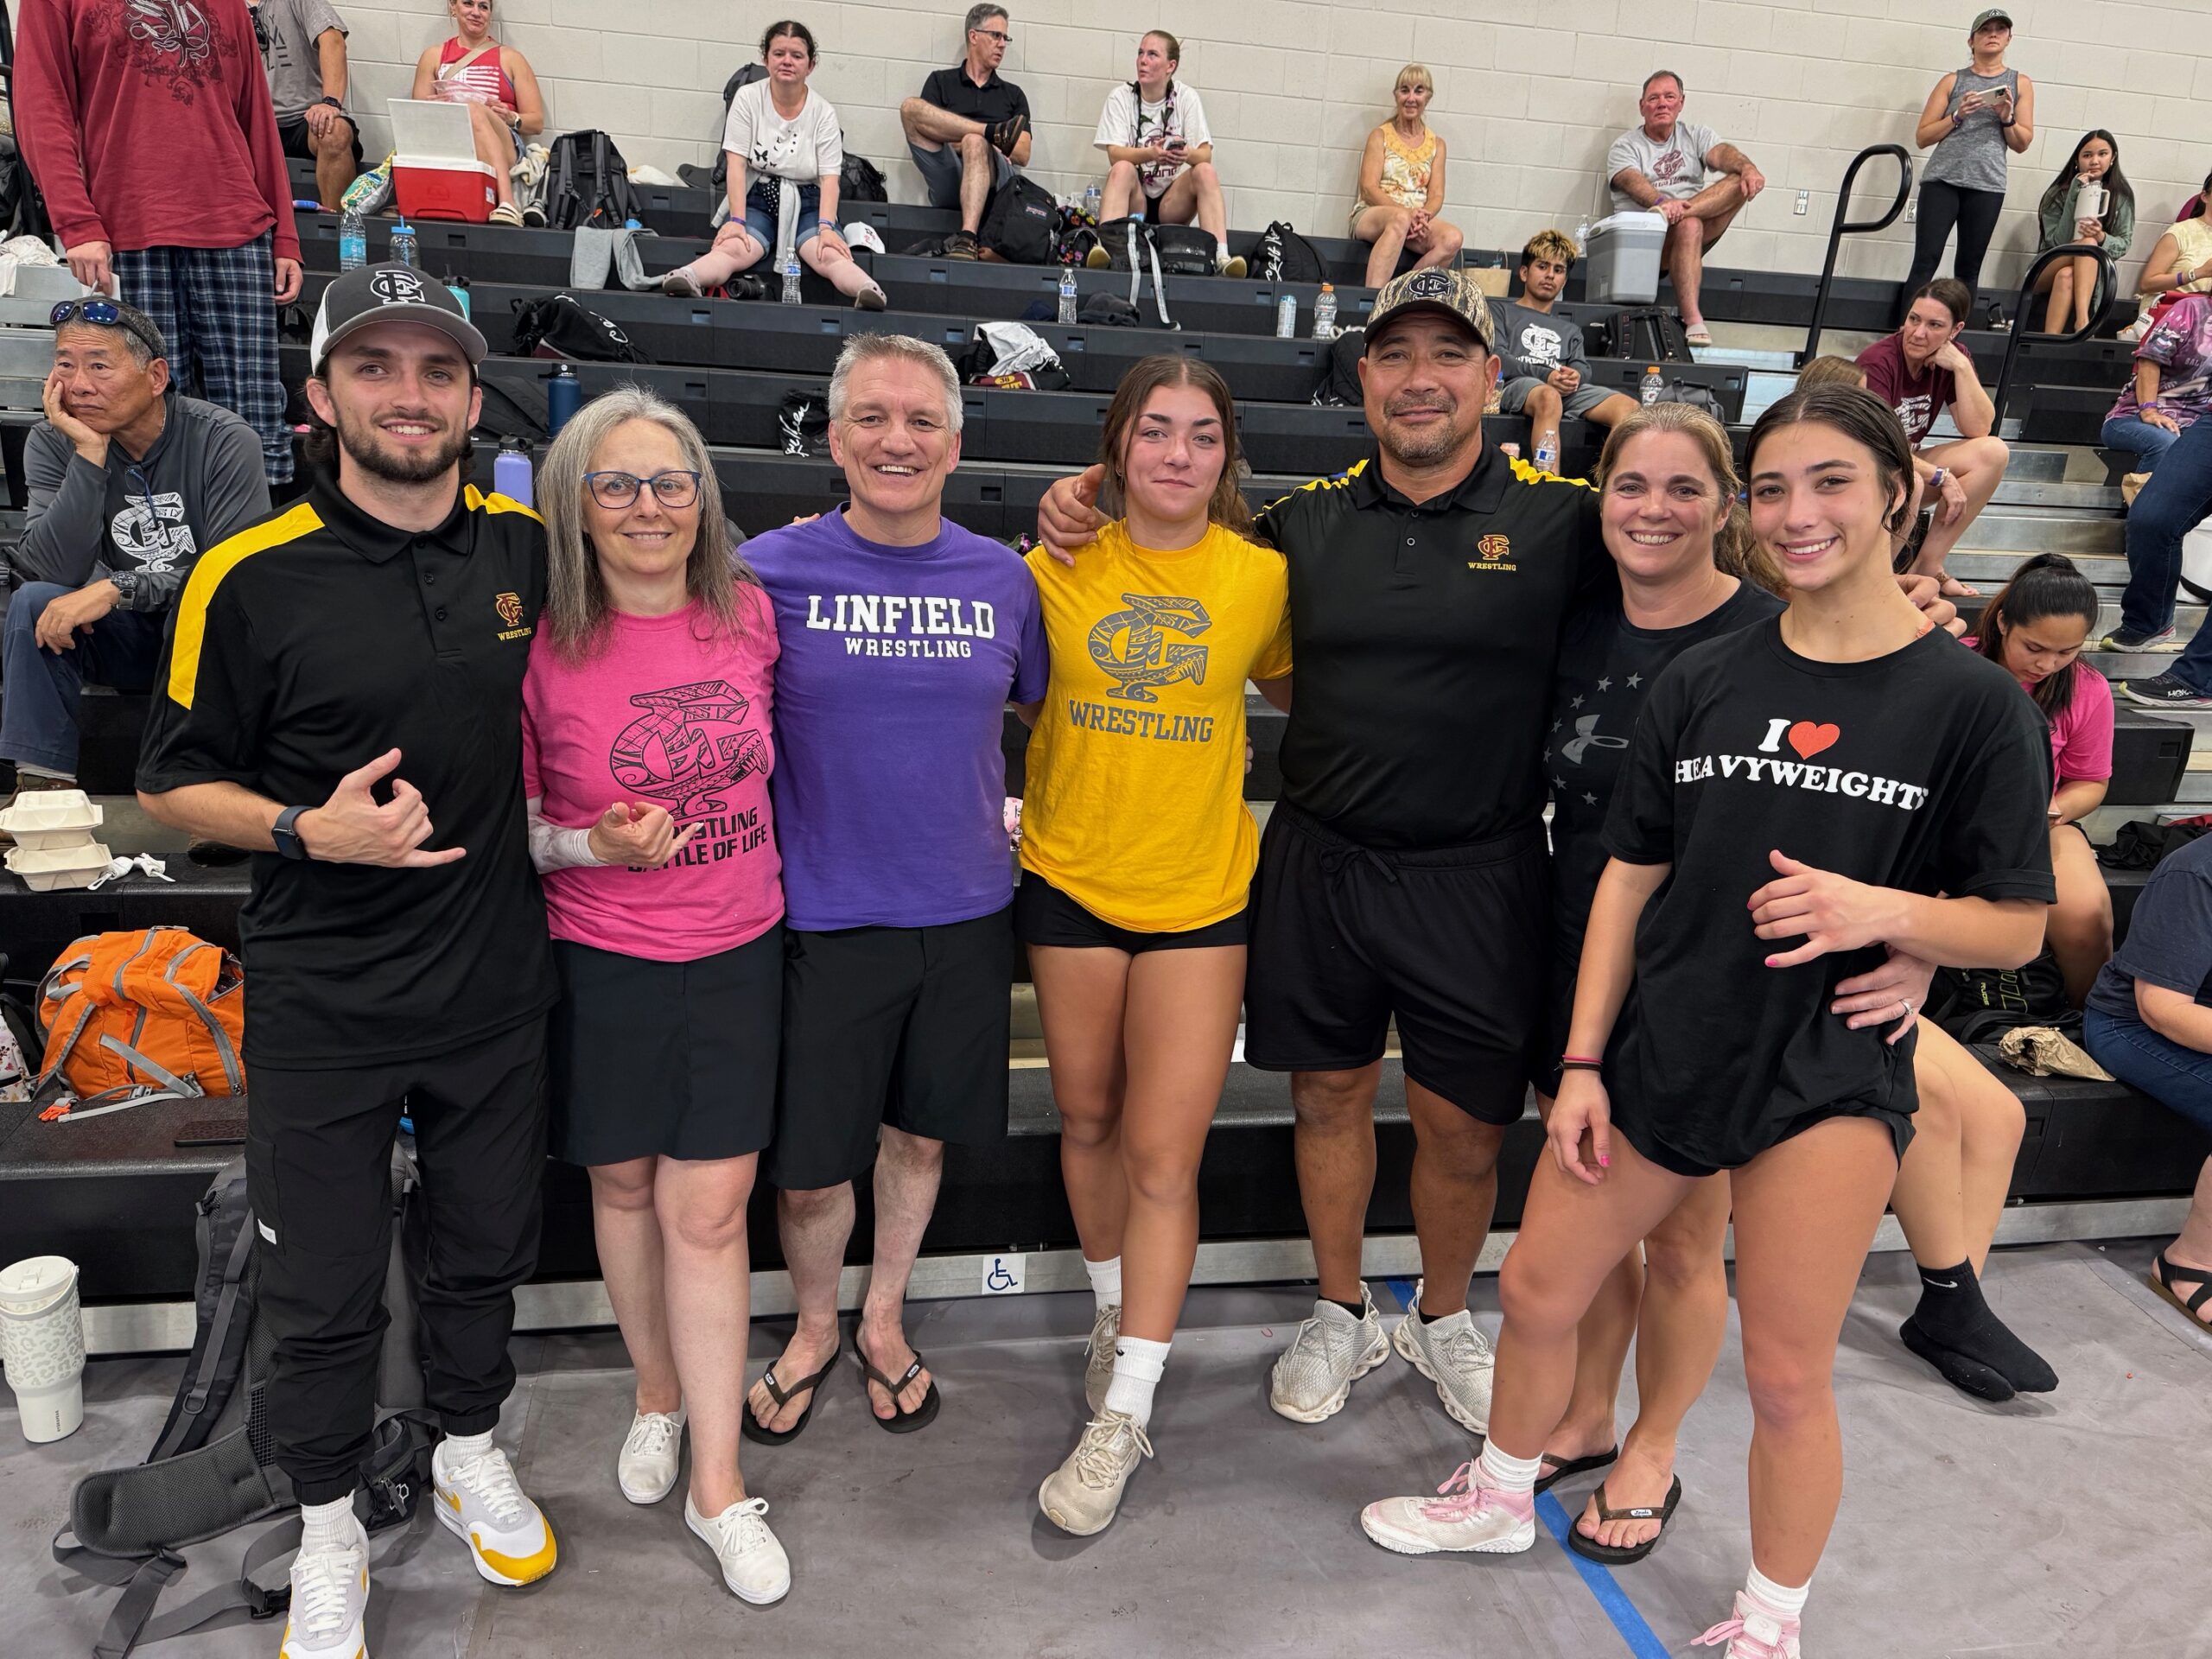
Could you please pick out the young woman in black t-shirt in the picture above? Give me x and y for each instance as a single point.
(1777, 827)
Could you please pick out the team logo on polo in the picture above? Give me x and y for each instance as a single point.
(1495, 553)
(1133, 646)
(396, 286)
(508, 607)
(688, 746)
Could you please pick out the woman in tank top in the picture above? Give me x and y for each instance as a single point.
(1975, 118)
(1401, 185)
(496, 83)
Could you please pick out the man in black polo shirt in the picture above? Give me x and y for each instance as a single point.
(1404, 872)
(968, 130)
(341, 693)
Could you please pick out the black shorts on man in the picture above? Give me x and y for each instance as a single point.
(292, 131)
(1043, 915)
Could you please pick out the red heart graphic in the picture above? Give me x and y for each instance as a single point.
(1809, 740)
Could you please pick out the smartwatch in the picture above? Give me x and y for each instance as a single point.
(284, 833)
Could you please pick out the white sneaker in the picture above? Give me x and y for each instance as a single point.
(1463, 1517)
(330, 1602)
(480, 1503)
(1456, 1356)
(1081, 1496)
(1314, 1376)
(646, 1469)
(1752, 1633)
(1098, 1365)
(753, 1564)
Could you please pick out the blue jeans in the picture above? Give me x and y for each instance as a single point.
(762, 198)
(2178, 1079)
(38, 712)
(2178, 494)
(2148, 443)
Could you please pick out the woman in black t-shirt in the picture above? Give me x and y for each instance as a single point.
(1777, 826)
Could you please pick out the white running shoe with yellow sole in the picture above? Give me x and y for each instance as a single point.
(329, 1609)
(479, 1502)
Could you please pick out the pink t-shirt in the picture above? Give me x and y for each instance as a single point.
(2081, 738)
(661, 715)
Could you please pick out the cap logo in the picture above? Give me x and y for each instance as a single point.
(400, 287)
(1430, 284)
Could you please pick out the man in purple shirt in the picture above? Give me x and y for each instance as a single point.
(903, 638)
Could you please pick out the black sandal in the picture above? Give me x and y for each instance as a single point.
(1577, 1466)
(2163, 1273)
(1622, 1554)
(905, 1422)
(754, 1430)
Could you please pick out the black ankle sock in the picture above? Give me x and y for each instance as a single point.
(1953, 1317)
(1427, 1318)
(1357, 1309)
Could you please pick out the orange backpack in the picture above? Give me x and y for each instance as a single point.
(154, 1014)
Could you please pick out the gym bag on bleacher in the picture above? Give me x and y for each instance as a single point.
(588, 184)
(561, 326)
(1022, 223)
(1281, 255)
(152, 1014)
(1643, 333)
(1339, 387)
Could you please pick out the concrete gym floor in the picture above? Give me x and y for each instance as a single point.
(2072, 1524)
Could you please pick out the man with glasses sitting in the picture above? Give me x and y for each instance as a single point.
(128, 483)
(968, 130)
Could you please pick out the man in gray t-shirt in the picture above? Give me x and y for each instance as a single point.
(1545, 374)
(303, 52)
(1660, 166)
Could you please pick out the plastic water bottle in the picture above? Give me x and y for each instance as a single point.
(564, 396)
(1067, 294)
(402, 244)
(1287, 317)
(1548, 456)
(1582, 234)
(458, 286)
(1654, 386)
(1325, 313)
(352, 241)
(790, 281)
(511, 473)
(1091, 203)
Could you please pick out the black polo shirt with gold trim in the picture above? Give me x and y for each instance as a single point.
(1426, 636)
(300, 649)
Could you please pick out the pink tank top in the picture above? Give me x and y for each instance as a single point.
(484, 82)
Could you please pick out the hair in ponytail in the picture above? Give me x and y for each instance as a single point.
(2049, 584)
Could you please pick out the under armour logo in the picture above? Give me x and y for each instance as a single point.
(1586, 737)
(396, 286)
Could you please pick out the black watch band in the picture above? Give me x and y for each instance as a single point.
(286, 837)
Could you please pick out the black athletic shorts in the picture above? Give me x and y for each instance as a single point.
(1453, 942)
(1044, 915)
(670, 1059)
(904, 1026)
(292, 131)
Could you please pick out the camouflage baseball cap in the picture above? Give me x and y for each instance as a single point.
(1453, 293)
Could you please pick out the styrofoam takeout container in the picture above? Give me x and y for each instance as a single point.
(48, 818)
(53, 869)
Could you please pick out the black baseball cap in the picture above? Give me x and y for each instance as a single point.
(390, 293)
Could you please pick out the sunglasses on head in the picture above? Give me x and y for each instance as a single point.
(105, 313)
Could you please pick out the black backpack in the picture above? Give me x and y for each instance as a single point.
(2139, 844)
(862, 180)
(1643, 333)
(1979, 1005)
(563, 327)
(745, 75)
(1697, 397)
(1021, 223)
(1281, 255)
(802, 423)
(1339, 387)
(588, 184)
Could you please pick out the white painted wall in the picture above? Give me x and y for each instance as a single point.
(1530, 93)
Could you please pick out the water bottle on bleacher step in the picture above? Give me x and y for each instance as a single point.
(352, 241)
(404, 247)
(1654, 386)
(791, 279)
(1325, 313)
(1067, 296)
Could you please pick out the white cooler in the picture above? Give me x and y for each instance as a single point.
(1621, 264)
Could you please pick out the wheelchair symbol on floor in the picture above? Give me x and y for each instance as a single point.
(1003, 1277)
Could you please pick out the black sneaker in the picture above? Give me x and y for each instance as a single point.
(2167, 692)
(961, 245)
(2159, 639)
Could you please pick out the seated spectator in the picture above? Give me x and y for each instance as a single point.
(127, 485)
(1546, 371)
(2172, 387)
(1661, 167)
(2182, 260)
(1402, 186)
(2148, 1023)
(2073, 282)
(2036, 629)
(968, 130)
(1160, 152)
(785, 138)
(303, 53)
(2176, 499)
(1920, 371)
(496, 83)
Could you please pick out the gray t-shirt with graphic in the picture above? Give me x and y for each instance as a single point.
(1676, 168)
(1534, 343)
(289, 30)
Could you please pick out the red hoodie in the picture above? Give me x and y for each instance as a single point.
(148, 124)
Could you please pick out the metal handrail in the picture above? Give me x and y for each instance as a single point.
(2108, 284)
(1840, 229)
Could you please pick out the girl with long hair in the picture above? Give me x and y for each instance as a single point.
(2094, 165)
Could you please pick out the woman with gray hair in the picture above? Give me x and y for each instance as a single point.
(646, 751)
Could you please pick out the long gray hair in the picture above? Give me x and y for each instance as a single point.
(577, 611)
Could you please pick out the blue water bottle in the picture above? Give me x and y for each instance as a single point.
(511, 473)
(402, 244)
(564, 396)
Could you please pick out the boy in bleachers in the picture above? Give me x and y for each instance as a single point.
(969, 131)
(1547, 372)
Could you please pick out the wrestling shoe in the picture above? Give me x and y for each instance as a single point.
(1098, 1364)
(1753, 1633)
(646, 1469)
(1081, 1496)
(1455, 1355)
(480, 1502)
(1463, 1517)
(1314, 1376)
(753, 1564)
(330, 1601)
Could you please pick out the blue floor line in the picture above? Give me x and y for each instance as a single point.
(1403, 1290)
(1642, 1641)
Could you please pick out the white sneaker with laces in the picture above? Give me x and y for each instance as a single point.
(480, 1502)
(646, 1469)
(1082, 1495)
(753, 1564)
(1313, 1377)
(1753, 1633)
(1453, 1353)
(1463, 1517)
(330, 1602)
(1098, 1365)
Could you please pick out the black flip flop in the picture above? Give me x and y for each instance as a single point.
(755, 1431)
(2163, 1272)
(1577, 1466)
(905, 1422)
(1622, 1554)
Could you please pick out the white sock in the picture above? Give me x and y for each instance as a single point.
(1138, 1367)
(330, 1526)
(1783, 1604)
(465, 1448)
(1105, 1281)
(29, 771)
(1514, 1476)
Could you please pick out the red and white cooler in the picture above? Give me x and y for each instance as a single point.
(435, 172)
